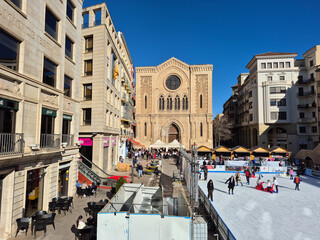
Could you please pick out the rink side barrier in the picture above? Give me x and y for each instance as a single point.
(223, 230)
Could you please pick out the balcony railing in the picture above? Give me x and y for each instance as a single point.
(307, 120)
(68, 139)
(301, 82)
(11, 143)
(312, 105)
(50, 140)
(306, 94)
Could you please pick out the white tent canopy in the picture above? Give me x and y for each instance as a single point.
(158, 144)
(175, 144)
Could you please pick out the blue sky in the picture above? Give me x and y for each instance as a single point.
(226, 34)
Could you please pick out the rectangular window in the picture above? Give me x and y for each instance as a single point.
(9, 51)
(70, 10)
(263, 66)
(275, 65)
(251, 117)
(51, 25)
(301, 114)
(88, 67)
(273, 102)
(87, 91)
(274, 115)
(282, 78)
(282, 102)
(282, 115)
(89, 44)
(302, 129)
(287, 64)
(314, 129)
(66, 126)
(269, 78)
(281, 64)
(49, 72)
(250, 94)
(311, 63)
(18, 3)
(274, 90)
(86, 116)
(69, 48)
(269, 65)
(313, 114)
(67, 86)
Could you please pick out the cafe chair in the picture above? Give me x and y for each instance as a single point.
(49, 218)
(23, 224)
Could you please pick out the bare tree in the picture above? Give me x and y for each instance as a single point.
(221, 129)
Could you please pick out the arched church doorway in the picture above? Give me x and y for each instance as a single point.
(174, 133)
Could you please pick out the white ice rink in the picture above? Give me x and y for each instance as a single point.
(253, 214)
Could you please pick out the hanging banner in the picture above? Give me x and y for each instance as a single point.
(85, 141)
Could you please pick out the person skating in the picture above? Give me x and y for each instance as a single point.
(238, 178)
(297, 180)
(247, 173)
(205, 172)
(269, 186)
(275, 183)
(231, 184)
(210, 189)
(291, 173)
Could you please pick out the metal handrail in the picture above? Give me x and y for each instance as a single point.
(67, 138)
(50, 140)
(11, 143)
(86, 160)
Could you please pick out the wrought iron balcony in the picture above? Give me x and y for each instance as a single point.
(306, 94)
(307, 120)
(67, 138)
(306, 82)
(50, 141)
(11, 143)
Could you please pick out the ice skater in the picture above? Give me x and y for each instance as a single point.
(291, 173)
(205, 172)
(269, 187)
(210, 189)
(238, 178)
(297, 180)
(275, 183)
(231, 184)
(247, 173)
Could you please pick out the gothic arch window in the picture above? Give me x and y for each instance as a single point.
(161, 103)
(169, 103)
(201, 130)
(145, 129)
(185, 103)
(145, 102)
(200, 100)
(177, 103)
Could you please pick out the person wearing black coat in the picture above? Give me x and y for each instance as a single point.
(210, 189)
(231, 184)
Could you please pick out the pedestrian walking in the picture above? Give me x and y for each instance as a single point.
(139, 169)
(231, 184)
(210, 187)
(247, 173)
(275, 183)
(238, 178)
(297, 180)
(205, 172)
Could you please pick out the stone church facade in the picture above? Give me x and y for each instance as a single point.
(174, 101)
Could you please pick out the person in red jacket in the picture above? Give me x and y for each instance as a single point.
(247, 173)
(297, 180)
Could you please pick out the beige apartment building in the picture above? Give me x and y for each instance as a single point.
(40, 52)
(174, 101)
(104, 76)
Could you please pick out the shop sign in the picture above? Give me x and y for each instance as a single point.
(5, 103)
(106, 142)
(114, 141)
(67, 117)
(49, 112)
(85, 141)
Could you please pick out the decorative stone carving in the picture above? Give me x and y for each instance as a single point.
(49, 98)
(12, 87)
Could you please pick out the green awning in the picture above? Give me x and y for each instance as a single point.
(49, 112)
(6, 103)
(67, 117)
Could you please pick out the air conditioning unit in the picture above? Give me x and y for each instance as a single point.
(35, 147)
(64, 144)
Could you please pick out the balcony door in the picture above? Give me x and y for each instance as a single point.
(47, 138)
(7, 120)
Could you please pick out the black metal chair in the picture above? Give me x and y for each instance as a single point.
(91, 204)
(90, 221)
(23, 224)
(53, 206)
(49, 218)
(40, 225)
(75, 230)
(65, 207)
(81, 234)
(70, 201)
(104, 201)
(88, 211)
(40, 213)
(79, 192)
(56, 199)
(37, 216)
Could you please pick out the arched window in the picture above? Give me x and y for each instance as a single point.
(185, 103)
(145, 129)
(145, 102)
(177, 103)
(201, 133)
(200, 100)
(161, 103)
(169, 103)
